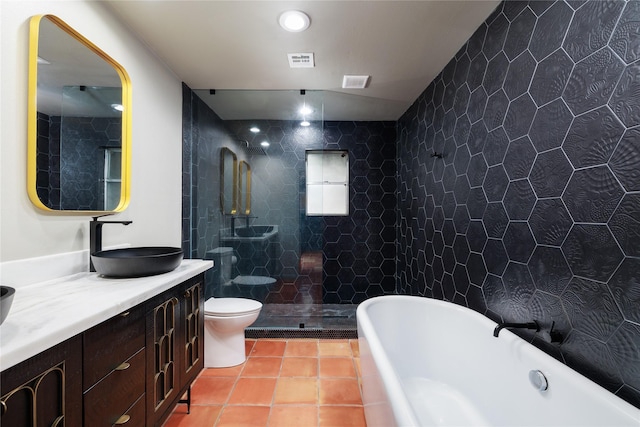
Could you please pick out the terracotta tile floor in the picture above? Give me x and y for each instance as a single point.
(297, 383)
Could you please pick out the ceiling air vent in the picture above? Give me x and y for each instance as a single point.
(301, 60)
(354, 82)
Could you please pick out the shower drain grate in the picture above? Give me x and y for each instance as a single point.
(300, 333)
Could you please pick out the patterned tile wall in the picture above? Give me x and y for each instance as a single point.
(67, 171)
(204, 134)
(48, 160)
(79, 189)
(533, 211)
(358, 250)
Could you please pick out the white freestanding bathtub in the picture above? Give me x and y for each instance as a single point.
(427, 362)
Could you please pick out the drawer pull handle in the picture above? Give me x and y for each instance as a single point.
(123, 366)
(187, 294)
(125, 314)
(122, 420)
(3, 407)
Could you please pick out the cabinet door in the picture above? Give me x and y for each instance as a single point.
(45, 390)
(162, 361)
(192, 337)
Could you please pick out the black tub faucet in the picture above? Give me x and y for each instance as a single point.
(528, 325)
(95, 236)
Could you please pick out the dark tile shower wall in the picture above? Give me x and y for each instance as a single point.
(79, 189)
(533, 211)
(277, 185)
(204, 134)
(48, 160)
(359, 250)
(189, 140)
(67, 165)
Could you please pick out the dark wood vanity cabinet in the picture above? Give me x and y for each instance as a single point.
(45, 390)
(130, 370)
(114, 370)
(192, 341)
(175, 346)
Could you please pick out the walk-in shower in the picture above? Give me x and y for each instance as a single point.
(309, 263)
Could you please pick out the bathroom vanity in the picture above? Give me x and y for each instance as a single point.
(88, 350)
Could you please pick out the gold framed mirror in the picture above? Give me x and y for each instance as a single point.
(228, 181)
(244, 188)
(79, 123)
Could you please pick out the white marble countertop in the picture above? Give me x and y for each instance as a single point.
(48, 313)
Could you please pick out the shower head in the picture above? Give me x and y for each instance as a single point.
(256, 151)
(251, 150)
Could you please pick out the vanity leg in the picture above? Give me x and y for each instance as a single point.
(187, 400)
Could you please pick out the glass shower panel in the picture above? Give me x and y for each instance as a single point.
(274, 253)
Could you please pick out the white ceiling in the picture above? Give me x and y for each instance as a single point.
(219, 45)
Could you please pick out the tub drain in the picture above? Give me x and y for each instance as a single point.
(538, 380)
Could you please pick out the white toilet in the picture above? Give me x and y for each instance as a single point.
(226, 318)
(224, 323)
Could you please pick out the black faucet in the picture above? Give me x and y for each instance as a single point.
(95, 236)
(247, 218)
(233, 225)
(528, 325)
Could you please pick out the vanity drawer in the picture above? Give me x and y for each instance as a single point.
(135, 416)
(110, 343)
(112, 397)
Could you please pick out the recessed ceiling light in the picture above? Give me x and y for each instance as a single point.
(305, 123)
(117, 107)
(265, 144)
(294, 21)
(255, 129)
(304, 110)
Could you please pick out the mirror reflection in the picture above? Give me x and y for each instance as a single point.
(228, 181)
(244, 188)
(79, 109)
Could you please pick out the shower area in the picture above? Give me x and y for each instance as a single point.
(296, 211)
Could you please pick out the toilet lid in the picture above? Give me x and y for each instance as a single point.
(231, 306)
(254, 280)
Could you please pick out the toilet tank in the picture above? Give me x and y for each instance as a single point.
(222, 262)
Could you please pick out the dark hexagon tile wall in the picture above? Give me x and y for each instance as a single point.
(551, 186)
(359, 257)
(68, 181)
(48, 160)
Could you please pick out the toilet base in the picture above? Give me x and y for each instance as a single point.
(224, 340)
(225, 351)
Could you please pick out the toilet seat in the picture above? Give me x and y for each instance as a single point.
(231, 307)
